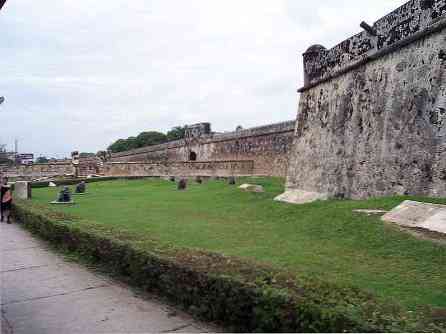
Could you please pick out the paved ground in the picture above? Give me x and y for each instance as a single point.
(42, 293)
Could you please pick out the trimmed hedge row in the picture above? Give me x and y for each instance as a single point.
(243, 296)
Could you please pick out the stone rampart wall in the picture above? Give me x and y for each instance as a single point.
(36, 171)
(210, 168)
(379, 128)
(267, 146)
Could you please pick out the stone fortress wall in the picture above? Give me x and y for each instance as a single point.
(257, 151)
(371, 118)
(266, 147)
(182, 168)
(36, 171)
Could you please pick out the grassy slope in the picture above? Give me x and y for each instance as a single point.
(323, 239)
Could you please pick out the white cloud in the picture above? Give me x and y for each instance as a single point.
(79, 74)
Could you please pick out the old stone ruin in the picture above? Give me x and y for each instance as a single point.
(262, 150)
(371, 118)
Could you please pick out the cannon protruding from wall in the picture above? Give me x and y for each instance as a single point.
(371, 115)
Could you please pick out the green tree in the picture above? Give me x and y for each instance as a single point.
(42, 160)
(176, 133)
(118, 146)
(132, 143)
(150, 138)
(145, 138)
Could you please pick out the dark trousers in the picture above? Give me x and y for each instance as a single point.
(5, 210)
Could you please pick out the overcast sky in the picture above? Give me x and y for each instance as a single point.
(79, 74)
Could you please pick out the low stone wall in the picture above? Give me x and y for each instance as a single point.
(128, 169)
(202, 168)
(36, 171)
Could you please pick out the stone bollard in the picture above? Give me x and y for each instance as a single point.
(231, 180)
(182, 184)
(22, 190)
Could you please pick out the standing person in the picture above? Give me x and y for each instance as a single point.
(6, 200)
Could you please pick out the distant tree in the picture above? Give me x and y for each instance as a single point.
(4, 160)
(119, 146)
(42, 160)
(146, 138)
(176, 133)
(132, 143)
(150, 138)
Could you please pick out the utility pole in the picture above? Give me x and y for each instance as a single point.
(2, 99)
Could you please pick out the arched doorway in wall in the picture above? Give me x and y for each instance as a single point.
(192, 156)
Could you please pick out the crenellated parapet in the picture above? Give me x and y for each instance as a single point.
(411, 21)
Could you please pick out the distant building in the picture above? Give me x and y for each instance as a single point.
(24, 158)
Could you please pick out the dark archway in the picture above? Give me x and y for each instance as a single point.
(192, 156)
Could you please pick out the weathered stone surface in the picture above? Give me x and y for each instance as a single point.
(412, 214)
(261, 151)
(266, 147)
(22, 190)
(296, 196)
(190, 169)
(252, 188)
(378, 129)
(36, 171)
(406, 21)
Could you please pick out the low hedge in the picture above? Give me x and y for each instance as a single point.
(241, 295)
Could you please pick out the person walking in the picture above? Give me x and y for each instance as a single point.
(6, 200)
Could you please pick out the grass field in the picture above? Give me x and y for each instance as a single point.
(323, 239)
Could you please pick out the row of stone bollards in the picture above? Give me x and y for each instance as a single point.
(182, 182)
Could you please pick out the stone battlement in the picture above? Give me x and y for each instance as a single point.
(263, 130)
(410, 21)
(266, 146)
(372, 117)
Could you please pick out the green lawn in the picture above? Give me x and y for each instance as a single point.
(323, 239)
